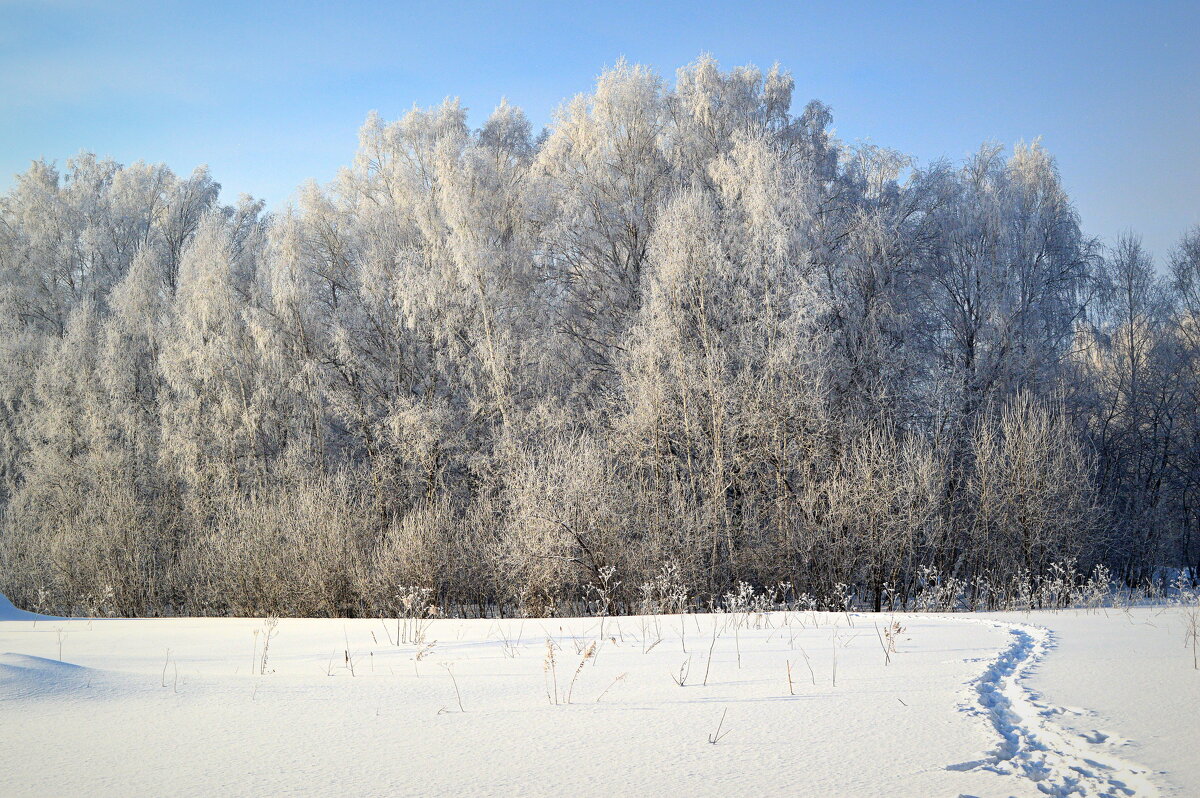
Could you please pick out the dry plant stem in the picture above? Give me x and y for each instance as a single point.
(388, 633)
(807, 662)
(685, 668)
(711, 646)
(620, 678)
(596, 657)
(1193, 633)
(887, 656)
(348, 661)
(588, 653)
(791, 689)
(716, 737)
(457, 694)
(269, 626)
(421, 655)
(835, 648)
(549, 668)
(508, 646)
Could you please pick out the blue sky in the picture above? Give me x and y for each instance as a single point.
(271, 94)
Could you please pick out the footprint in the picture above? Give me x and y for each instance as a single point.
(1096, 737)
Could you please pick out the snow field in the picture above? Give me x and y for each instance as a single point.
(186, 706)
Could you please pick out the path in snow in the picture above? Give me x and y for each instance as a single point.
(1058, 761)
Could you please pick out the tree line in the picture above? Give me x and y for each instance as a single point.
(682, 328)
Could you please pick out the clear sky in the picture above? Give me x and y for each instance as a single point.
(272, 94)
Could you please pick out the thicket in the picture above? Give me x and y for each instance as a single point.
(682, 329)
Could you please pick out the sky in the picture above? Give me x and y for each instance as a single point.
(272, 94)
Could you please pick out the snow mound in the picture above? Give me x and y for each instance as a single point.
(8, 612)
(27, 665)
(26, 676)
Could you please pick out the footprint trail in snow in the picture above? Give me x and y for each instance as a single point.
(1059, 761)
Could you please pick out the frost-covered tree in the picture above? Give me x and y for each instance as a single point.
(1006, 277)
(684, 330)
(603, 174)
(216, 421)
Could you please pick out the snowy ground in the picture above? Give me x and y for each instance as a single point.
(1124, 683)
(969, 705)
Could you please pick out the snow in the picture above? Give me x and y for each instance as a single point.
(1125, 683)
(1031, 742)
(10, 613)
(969, 705)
